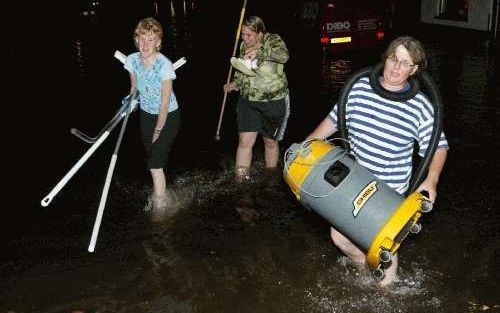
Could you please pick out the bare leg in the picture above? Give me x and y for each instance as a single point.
(159, 181)
(349, 249)
(159, 197)
(271, 153)
(390, 272)
(244, 154)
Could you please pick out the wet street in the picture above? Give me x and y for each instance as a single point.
(231, 248)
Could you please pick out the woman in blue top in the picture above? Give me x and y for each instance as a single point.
(152, 74)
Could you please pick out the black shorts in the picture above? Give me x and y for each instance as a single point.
(157, 153)
(264, 117)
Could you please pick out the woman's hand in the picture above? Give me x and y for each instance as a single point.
(430, 186)
(156, 135)
(251, 52)
(435, 168)
(229, 87)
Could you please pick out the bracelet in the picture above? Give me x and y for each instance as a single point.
(158, 130)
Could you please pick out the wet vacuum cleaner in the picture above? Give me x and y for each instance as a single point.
(328, 181)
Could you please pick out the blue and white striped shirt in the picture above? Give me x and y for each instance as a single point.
(382, 132)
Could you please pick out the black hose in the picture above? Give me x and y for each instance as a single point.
(373, 73)
(391, 95)
(436, 131)
(342, 102)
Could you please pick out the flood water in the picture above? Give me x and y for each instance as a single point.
(230, 248)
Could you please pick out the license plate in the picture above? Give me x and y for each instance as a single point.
(340, 39)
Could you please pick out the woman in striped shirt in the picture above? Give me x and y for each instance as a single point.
(382, 132)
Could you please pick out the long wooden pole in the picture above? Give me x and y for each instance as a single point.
(242, 14)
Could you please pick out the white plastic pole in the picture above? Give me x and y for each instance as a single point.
(46, 201)
(132, 104)
(107, 182)
(123, 58)
(102, 203)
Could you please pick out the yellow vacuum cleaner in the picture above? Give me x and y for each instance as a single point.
(327, 180)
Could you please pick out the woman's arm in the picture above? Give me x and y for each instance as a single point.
(273, 49)
(435, 168)
(323, 130)
(133, 82)
(166, 91)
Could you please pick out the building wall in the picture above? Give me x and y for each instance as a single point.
(479, 16)
(496, 30)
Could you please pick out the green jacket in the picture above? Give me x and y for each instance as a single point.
(270, 83)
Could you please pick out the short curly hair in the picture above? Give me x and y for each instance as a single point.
(146, 26)
(414, 48)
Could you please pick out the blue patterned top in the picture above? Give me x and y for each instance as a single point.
(149, 80)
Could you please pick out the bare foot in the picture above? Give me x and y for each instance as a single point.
(390, 273)
(163, 207)
(242, 174)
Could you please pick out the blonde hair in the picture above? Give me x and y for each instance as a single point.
(148, 25)
(255, 24)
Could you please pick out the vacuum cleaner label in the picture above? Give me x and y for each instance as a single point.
(364, 196)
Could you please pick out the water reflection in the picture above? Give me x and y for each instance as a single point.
(333, 75)
(176, 16)
(337, 68)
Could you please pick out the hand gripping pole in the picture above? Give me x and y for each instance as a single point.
(121, 112)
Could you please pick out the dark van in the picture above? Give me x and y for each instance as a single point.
(358, 24)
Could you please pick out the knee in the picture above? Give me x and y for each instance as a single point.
(270, 144)
(245, 143)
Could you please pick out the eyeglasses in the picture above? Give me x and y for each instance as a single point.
(404, 64)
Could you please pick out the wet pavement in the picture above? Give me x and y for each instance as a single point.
(237, 248)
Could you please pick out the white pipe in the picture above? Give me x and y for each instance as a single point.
(102, 203)
(46, 201)
(120, 56)
(123, 58)
(132, 104)
(179, 63)
(107, 183)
